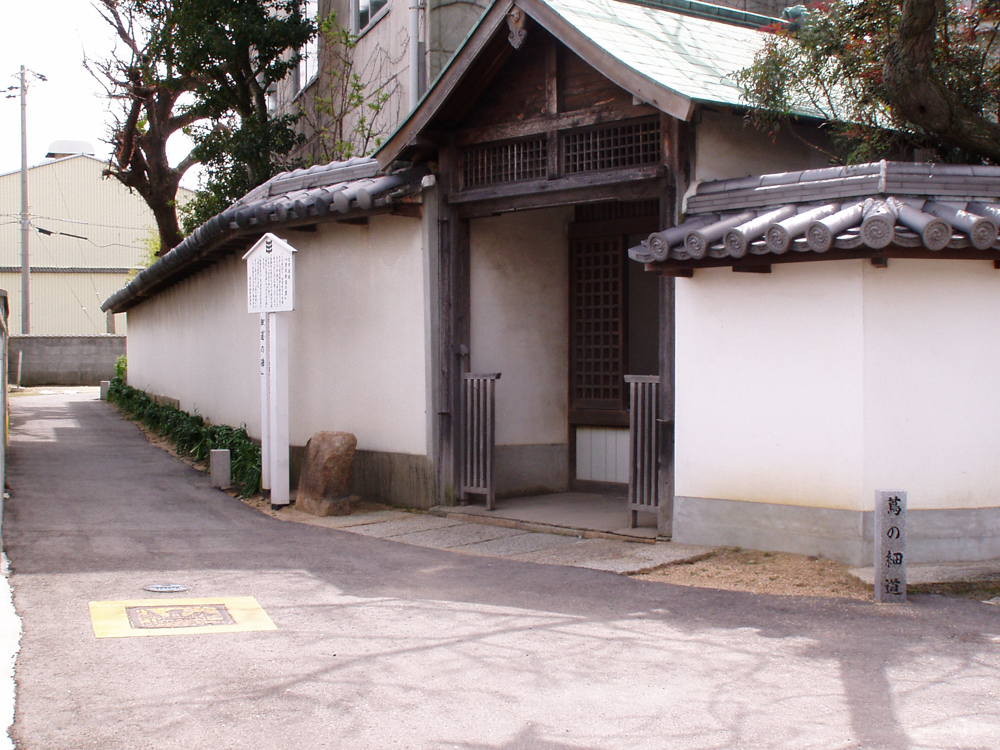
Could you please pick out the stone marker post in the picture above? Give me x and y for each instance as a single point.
(890, 546)
(219, 467)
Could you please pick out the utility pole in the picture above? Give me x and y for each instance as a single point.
(25, 221)
(25, 215)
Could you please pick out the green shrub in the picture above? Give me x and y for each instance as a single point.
(190, 434)
(121, 368)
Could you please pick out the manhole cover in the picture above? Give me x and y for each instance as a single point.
(165, 588)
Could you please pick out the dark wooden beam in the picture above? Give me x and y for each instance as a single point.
(412, 210)
(428, 140)
(361, 221)
(880, 261)
(565, 196)
(552, 77)
(752, 268)
(611, 112)
(599, 417)
(452, 326)
(678, 148)
(665, 408)
(641, 225)
(682, 273)
(535, 187)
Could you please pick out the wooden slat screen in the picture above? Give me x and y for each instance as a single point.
(479, 435)
(597, 308)
(611, 147)
(495, 164)
(643, 487)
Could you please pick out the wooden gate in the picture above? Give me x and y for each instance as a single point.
(479, 435)
(643, 487)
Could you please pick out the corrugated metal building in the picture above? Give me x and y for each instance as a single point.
(87, 234)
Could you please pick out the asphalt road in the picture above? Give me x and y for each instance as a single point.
(386, 645)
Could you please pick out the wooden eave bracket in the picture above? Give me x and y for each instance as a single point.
(517, 22)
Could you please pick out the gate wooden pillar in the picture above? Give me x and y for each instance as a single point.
(665, 416)
(451, 330)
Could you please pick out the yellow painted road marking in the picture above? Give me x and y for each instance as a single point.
(143, 617)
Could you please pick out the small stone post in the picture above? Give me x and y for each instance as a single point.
(105, 387)
(890, 546)
(219, 470)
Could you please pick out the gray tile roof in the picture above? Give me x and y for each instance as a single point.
(305, 196)
(867, 207)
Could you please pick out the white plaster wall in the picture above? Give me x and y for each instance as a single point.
(769, 385)
(726, 148)
(520, 319)
(932, 354)
(357, 339)
(196, 342)
(358, 336)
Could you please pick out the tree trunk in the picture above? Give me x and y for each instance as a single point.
(917, 94)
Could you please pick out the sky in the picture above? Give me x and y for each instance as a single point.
(52, 37)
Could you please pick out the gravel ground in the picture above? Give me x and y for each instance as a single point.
(779, 573)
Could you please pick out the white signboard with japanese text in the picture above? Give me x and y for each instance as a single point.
(271, 294)
(270, 276)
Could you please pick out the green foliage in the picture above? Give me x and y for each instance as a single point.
(150, 252)
(121, 368)
(832, 61)
(346, 120)
(237, 155)
(190, 434)
(201, 67)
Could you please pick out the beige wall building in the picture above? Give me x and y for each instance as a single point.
(87, 233)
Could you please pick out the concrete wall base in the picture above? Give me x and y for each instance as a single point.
(394, 478)
(64, 360)
(933, 536)
(531, 469)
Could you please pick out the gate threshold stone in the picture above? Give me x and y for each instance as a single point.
(631, 536)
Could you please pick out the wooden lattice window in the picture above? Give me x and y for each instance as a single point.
(597, 309)
(612, 147)
(504, 162)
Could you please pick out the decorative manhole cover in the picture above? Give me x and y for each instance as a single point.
(165, 588)
(173, 616)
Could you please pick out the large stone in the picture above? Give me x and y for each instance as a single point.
(324, 484)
